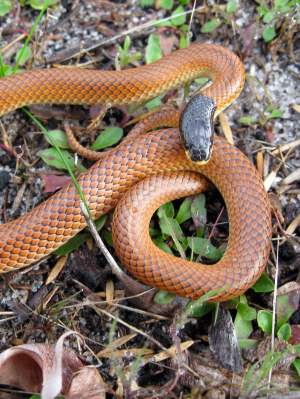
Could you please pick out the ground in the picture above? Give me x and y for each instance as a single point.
(36, 306)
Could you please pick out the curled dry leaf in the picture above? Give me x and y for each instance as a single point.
(50, 370)
(87, 384)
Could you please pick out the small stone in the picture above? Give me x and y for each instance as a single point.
(4, 179)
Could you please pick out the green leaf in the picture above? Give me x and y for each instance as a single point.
(153, 49)
(262, 10)
(41, 4)
(127, 43)
(146, 3)
(243, 327)
(5, 7)
(195, 308)
(170, 227)
(124, 57)
(264, 321)
(107, 138)
(231, 6)
(285, 332)
(198, 310)
(57, 137)
(269, 33)
(263, 284)
(247, 120)
(198, 211)
(280, 3)
(184, 2)
(164, 297)
(107, 235)
(184, 212)
(154, 103)
(203, 247)
(166, 210)
(275, 113)
(159, 242)
(52, 158)
(177, 19)
(23, 55)
(269, 16)
(246, 312)
(247, 343)
(7, 70)
(243, 299)
(183, 41)
(202, 81)
(296, 364)
(166, 4)
(211, 25)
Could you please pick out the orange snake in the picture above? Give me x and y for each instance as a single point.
(156, 166)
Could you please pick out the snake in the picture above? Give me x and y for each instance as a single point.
(145, 171)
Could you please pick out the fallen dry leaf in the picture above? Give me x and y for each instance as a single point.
(226, 127)
(293, 225)
(260, 163)
(59, 265)
(87, 384)
(53, 182)
(50, 370)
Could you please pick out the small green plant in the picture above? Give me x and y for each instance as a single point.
(223, 16)
(58, 139)
(38, 4)
(164, 4)
(124, 57)
(24, 54)
(7, 5)
(255, 378)
(269, 113)
(107, 138)
(170, 222)
(271, 15)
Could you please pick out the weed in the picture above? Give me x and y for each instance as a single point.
(274, 14)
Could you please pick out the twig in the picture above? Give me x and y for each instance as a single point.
(274, 306)
(113, 264)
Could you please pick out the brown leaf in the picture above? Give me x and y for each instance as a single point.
(53, 182)
(60, 264)
(49, 370)
(87, 384)
(295, 338)
(226, 127)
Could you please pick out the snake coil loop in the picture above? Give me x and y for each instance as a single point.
(145, 166)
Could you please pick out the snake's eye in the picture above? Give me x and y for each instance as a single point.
(196, 128)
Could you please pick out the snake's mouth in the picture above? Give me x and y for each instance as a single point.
(196, 159)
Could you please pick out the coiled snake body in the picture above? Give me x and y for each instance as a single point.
(151, 165)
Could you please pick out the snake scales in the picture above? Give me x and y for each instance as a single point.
(151, 165)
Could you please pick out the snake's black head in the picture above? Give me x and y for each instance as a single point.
(196, 128)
